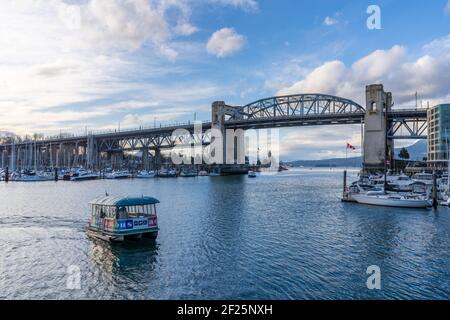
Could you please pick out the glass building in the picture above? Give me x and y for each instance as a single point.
(438, 135)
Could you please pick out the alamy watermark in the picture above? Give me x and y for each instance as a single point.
(228, 146)
(73, 281)
(374, 20)
(374, 279)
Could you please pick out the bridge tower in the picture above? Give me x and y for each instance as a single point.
(377, 146)
(218, 122)
(233, 142)
(91, 152)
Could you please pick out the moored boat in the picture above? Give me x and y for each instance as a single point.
(146, 174)
(30, 177)
(167, 173)
(116, 219)
(124, 174)
(83, 175)
(188, 173)
(426, 178)
(391, 200)
(252, 174)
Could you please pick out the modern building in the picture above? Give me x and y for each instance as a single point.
(438, 135)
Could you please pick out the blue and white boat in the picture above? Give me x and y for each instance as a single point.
(116, 219)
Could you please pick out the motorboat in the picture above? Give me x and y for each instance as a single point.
(252, 174)
(167, 173)
(116, 219)
(83, 175)
(426, 178)
(146, 174)
(123, 174)
(392, 200)
(188, 173)
(203, 173)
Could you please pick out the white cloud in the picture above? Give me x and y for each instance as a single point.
(225, 42)
(428, 74)
(319, 142)
(438, 46)
(131, 120)
(329, 21)
(377, 64)
(185, 29)
(57, 54)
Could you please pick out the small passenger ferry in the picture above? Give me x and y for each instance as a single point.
(118, 218)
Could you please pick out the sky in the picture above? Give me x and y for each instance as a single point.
(99, 64)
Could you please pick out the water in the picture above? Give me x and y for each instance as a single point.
(285, 236)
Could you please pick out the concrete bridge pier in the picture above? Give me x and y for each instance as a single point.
(232, 159)
(377, 146)
(157, 159)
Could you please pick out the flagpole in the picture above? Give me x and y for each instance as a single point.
(346, 161)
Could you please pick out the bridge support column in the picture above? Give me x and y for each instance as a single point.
(377, 147)
(218, 123)
(145, 159)
(233, 143)
(91, 153)
(157, 159)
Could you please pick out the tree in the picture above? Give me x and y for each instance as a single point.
(403, 154)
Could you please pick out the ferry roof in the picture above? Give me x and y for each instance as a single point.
(124, 201)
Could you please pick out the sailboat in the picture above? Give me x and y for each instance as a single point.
(391, 199)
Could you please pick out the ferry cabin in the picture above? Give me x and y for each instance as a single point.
(116, 218)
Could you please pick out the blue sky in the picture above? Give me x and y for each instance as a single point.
(67, 65)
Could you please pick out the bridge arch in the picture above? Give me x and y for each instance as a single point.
(298, 105)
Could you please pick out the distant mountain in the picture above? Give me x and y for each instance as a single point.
(335, 162)
(417, 151)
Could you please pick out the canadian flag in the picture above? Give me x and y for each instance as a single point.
(349, 146)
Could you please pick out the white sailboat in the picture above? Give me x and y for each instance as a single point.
(392, 200)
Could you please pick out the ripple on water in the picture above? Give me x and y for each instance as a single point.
(275, 237)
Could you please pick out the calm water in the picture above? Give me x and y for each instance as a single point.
(275, 237)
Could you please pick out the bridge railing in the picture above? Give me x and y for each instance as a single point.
(82, 135)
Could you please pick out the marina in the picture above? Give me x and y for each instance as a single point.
(226, 151)
(223, 237)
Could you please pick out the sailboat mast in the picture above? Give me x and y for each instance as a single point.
(385, 147)
(35, 156)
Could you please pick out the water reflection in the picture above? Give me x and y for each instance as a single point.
(127, 267)
(286, 236)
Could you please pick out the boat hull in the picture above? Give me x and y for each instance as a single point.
(84, 178)
(111, 237)
(390, 202)
(40, 179)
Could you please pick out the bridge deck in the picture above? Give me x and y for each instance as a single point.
(399, 116)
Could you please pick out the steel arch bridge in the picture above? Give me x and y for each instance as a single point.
(295, 110)
(299, 105)
(321, 109)
(274, 112)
